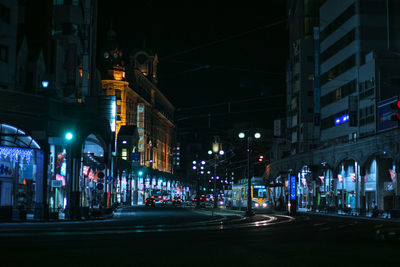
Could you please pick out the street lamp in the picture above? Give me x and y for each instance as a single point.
(217, 150)
(242, 135)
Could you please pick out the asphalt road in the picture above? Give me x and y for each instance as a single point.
(183, 237)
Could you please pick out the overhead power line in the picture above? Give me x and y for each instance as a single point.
(223, 39)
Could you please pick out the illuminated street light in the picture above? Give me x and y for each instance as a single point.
(257, 135)
(194, 162)
(221, 152)
(69, 136)
(203, 162)
(242, 135)
(209, 152)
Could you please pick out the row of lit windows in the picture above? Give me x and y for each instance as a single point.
(341, 92)
(340, 68)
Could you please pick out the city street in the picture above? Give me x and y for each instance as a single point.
(185, 237)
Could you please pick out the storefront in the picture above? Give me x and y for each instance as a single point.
(21, 172)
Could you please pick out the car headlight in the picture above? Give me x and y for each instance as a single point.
(256, 205)
(264, 205)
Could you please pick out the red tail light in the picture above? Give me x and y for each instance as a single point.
(159, 196)
(145, 201)
(173, 199)
(207, 199)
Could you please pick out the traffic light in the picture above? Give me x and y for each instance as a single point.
(395, 106)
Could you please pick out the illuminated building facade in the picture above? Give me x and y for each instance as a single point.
(139, 102)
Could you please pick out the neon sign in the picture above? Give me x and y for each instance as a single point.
(342, 119)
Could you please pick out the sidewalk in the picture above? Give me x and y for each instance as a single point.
(384, 217)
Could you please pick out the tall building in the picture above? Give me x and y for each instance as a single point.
(133, 80)
(352, 165)
(354, 37)
(302, 18)
(73, 70)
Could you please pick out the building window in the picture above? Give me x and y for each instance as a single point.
(4, 14)
(337, 70)
(3, 53)
(339, 21)
(367, 115)
(345, 90)
(329, 121)
(338, 45)
(338, 94)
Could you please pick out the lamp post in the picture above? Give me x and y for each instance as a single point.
(217, 150)
(242, 135)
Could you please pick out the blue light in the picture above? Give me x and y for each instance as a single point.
(45, 84)
(342, 119)
(259, 186)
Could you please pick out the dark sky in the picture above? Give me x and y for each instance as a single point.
(209, 53)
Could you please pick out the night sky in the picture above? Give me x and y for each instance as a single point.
(209, 53)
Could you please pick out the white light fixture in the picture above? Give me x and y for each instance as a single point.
(242, 135)
(194, 162)
(257, 135)
(203, 162)
(209, 152)
(221, 152)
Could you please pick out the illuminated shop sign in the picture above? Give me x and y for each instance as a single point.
(293, 187)
(85, 170)
(342, 119)
(259, 187)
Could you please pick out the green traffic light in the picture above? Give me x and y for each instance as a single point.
(69, 136)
